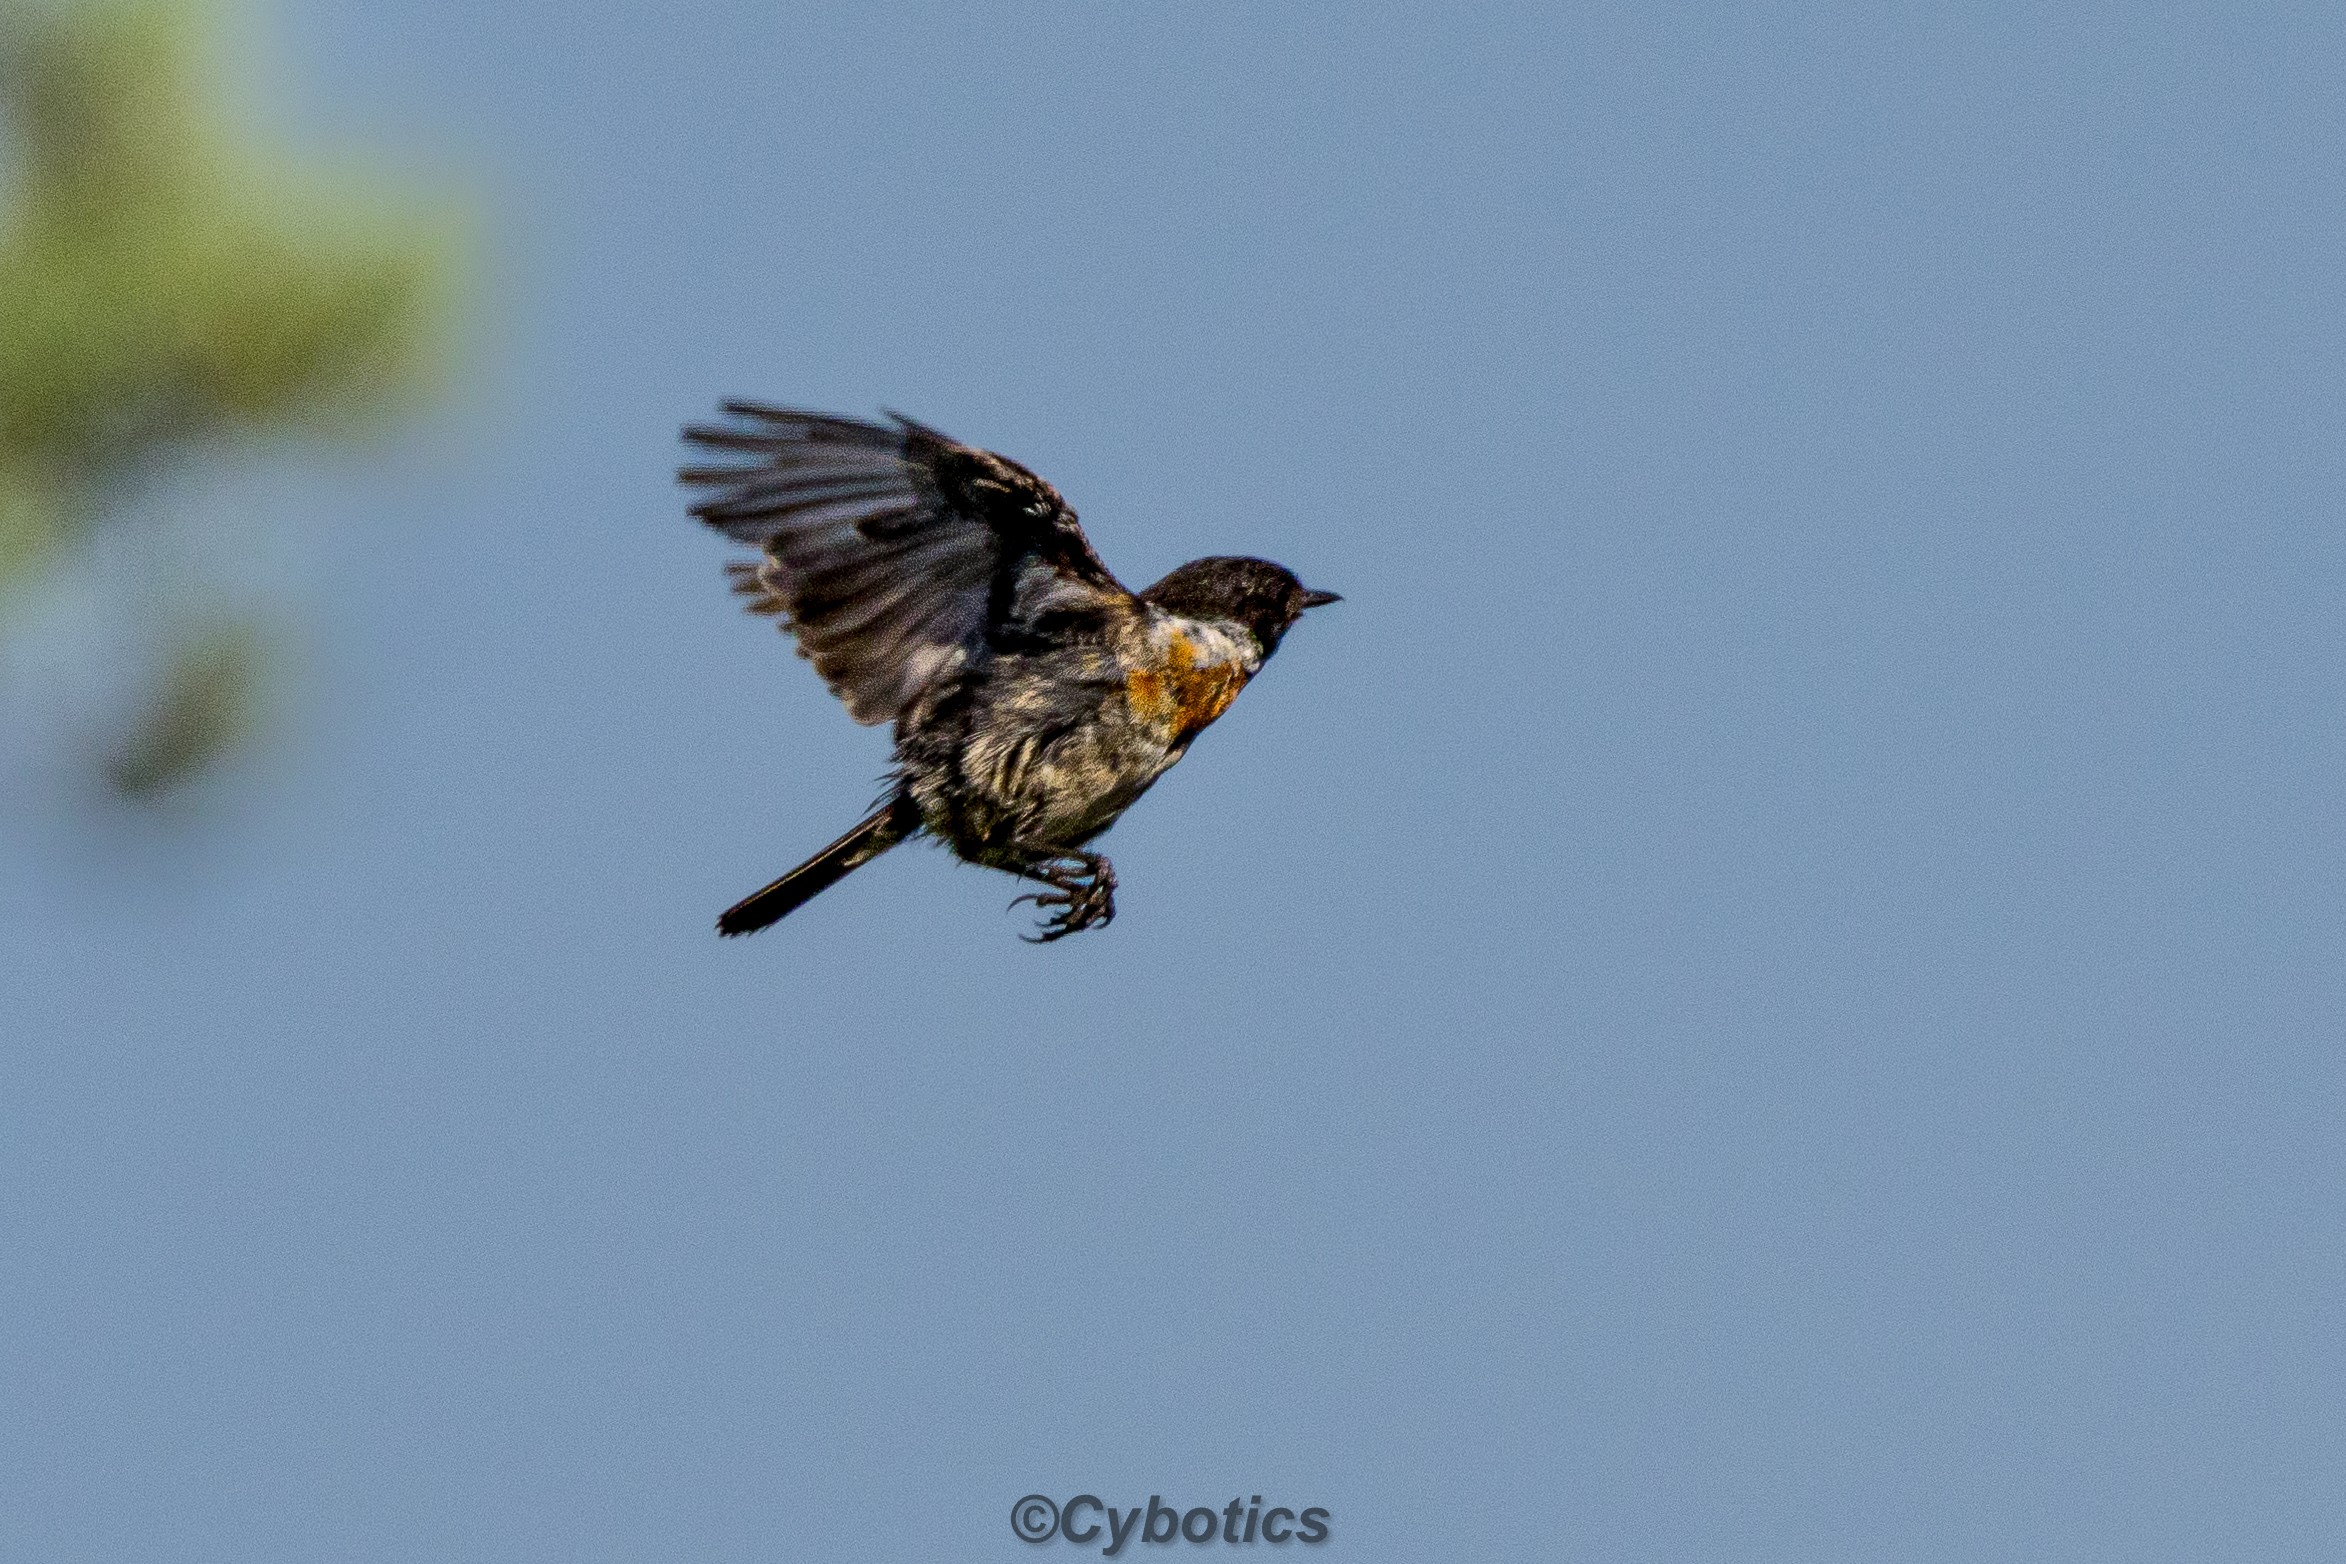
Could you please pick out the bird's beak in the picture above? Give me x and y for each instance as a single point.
(1320, 599)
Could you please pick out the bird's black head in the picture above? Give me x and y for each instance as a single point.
(1263, 597)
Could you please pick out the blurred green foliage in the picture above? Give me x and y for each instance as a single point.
(169, 281)
(205, 702)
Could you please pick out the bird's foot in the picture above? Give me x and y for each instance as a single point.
(1082, 895)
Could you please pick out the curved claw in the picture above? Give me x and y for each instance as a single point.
(1080, 894)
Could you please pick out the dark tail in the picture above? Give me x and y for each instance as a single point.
(878, 831)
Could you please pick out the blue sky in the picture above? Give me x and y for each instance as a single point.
(1767, 987)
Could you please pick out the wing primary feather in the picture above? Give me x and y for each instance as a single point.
(891, 549)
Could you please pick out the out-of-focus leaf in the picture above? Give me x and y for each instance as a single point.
(207, 703)
(109, 105)
(30, 528)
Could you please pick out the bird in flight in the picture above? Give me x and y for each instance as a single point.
(949, 591)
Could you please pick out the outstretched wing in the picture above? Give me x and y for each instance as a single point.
(893, 553)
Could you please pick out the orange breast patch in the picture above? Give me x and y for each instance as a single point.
(1181, 692)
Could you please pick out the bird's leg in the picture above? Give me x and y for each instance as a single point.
(1082, 893)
